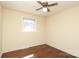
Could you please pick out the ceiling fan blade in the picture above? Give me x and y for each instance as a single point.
(40, 3)
(52, 4)
(39, 8)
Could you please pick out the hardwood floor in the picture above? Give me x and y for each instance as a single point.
(40, 51)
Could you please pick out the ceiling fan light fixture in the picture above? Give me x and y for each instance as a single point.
(44, 9)
(45, 5)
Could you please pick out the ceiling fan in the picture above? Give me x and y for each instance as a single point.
(45, 6)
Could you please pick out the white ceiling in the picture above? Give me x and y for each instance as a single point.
(30, 6)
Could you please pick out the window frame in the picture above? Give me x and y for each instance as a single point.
(34, 30)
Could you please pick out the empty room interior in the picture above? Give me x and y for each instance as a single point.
(39, 29)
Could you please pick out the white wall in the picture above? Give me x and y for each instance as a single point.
(0, 27)
(63, 30)
(13, 37)
(0, 30)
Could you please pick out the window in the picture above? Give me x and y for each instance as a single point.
(29, 25)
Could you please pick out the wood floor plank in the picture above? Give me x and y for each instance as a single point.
(40, 51)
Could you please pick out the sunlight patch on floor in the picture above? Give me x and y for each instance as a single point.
(29, 56)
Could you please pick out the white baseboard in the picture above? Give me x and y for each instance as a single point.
(21, 47)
